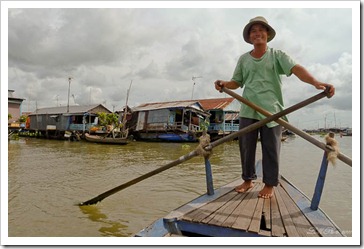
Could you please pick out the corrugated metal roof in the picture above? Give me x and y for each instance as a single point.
(77, 109)
(231, 116)
(171, 104)
(215, 104)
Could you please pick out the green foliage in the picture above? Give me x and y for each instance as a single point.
(102, 118)
(10, 116)
(112, 118)
(204, 124)
(23, 118)
(107, 118)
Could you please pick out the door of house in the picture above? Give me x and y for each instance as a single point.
(141, 121)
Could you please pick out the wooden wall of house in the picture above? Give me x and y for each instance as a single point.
(99, 108)
(158, 117)
(41, 121)
(14, 110)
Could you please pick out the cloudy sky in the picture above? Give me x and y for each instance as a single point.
(161, 48)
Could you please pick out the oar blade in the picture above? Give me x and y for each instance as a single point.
(93, 201)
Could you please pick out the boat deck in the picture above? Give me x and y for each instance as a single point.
(228, 213)
(278, 216)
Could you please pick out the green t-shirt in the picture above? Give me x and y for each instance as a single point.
(261, 79)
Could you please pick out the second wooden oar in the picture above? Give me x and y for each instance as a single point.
(287, 125)
(195, 153)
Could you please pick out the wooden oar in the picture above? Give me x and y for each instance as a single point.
(170, 165)
(212, 145)
(287, 125)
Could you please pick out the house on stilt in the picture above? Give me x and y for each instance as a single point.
(224, 117)
(173, 121)
(57, 122)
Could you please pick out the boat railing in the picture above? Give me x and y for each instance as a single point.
(80, 127)
(231, 127)
(215, 126)
(176, 126)
(183, 127)
(224, 127)
(320, 182)
(324, 164)
(193, 127)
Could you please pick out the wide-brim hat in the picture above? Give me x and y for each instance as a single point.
(258, 20)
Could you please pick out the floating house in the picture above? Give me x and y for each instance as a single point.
(54, 122)
(224, 117)
(175, 121)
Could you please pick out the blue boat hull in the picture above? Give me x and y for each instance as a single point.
(168, 137)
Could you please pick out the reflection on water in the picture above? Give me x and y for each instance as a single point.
(47, 178)
(109, 227)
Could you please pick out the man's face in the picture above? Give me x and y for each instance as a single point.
(258, 34)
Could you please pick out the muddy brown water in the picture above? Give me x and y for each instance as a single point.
(48, 178)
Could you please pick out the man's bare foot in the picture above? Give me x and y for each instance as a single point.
(244, 186)
(266, 192)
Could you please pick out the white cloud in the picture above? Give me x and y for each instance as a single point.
(162, 49)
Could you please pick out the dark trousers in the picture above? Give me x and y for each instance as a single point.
(271, 146)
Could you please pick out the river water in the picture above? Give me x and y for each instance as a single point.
(47, 178)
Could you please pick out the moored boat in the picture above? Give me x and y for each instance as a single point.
(347, 132)
(106, 140)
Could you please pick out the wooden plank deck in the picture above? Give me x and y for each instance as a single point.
(227, 213)
(245, 212)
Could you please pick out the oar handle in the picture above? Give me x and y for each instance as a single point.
(287, 125)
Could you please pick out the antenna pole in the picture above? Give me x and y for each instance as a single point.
(194, 83)
(69, 87)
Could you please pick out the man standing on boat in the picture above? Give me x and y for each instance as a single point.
(258, 71)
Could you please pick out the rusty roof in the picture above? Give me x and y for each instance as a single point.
(169, 104)
(231, 116)
(77, 109)
(215, 104)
